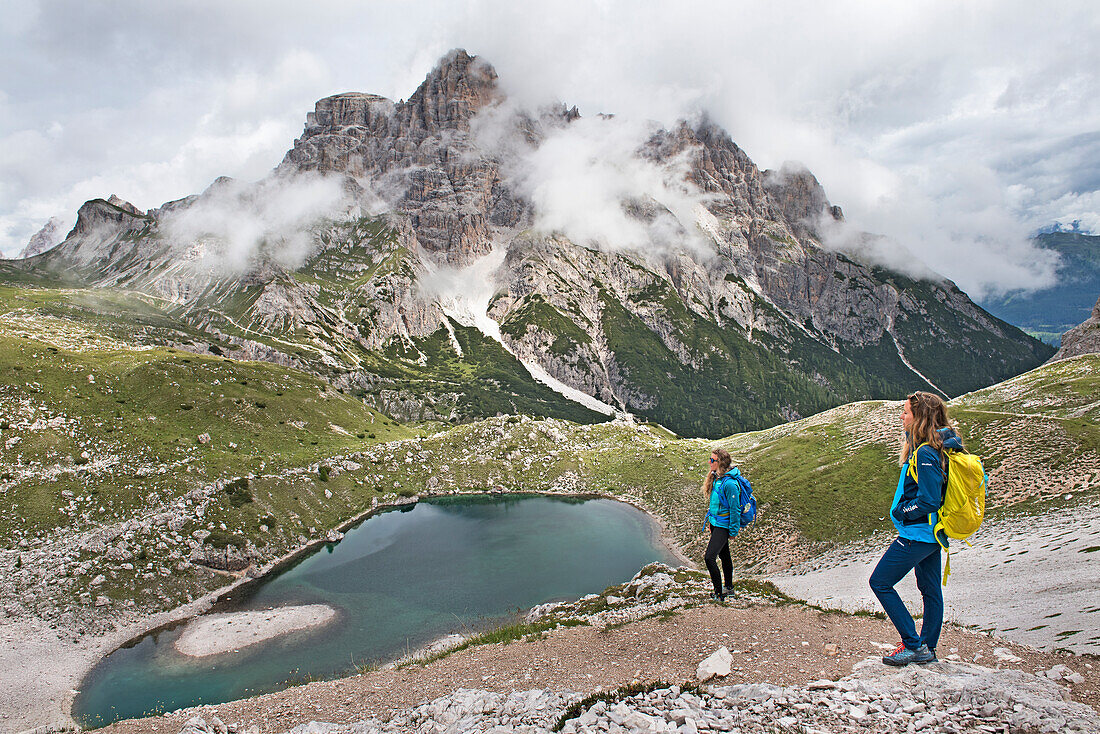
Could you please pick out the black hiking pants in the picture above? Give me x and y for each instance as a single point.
(719, 547)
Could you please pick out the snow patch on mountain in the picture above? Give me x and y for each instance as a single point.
(463, 295)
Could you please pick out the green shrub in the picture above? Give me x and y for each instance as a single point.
(238, 491)
(224, 539)
(323, 472)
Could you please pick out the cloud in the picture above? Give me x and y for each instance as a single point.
(914, 119)
(233, 224)
(587, 181)
(954, 129)
(161, 144)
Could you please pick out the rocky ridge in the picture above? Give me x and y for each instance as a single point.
(422, 155)
(739, 286)
(944, 696)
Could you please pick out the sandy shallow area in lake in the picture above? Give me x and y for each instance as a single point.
(213, 634)
(1030, 580)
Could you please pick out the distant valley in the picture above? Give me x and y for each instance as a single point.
(1047, 314)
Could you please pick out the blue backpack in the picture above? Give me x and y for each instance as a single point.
(747, 501)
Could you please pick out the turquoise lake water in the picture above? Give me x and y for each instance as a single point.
(399, 580)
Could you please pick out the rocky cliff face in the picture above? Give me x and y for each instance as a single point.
(1083, 338)
(733, 316)
(421, 156)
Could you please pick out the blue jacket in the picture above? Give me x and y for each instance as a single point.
(916, 503)
(725, 502)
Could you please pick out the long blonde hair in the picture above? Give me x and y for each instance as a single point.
(929, 415)
(724, 460)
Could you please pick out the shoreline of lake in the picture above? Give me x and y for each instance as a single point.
(34, 653)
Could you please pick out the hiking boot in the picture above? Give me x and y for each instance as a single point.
(903, 656)
(720, 598)
(728, 592)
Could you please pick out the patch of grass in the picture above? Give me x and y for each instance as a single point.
(836, 493)
(662, 616)
(503, 634)
(224, 539)
(534, 311)
(143, 429)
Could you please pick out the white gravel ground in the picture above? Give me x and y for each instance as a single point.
(1032, 581)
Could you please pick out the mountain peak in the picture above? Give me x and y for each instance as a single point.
(454, 91)
(44, 239)
(800, 196)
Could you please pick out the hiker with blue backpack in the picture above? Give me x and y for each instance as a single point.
(929, 435)
(730, 506)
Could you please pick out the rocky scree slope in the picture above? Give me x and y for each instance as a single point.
(731, 316)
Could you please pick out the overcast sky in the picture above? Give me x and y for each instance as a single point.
(955, 128)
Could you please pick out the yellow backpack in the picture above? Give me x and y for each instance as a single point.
(963, 501)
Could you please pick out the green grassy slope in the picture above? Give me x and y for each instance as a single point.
(955, 351)
(107, 457)
(103, 422)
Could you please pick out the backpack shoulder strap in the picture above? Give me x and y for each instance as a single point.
(719, 486)
(911, 462)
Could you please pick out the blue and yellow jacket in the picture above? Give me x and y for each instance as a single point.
(916, 502)
(725, 502)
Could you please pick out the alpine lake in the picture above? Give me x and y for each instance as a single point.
(399, 580)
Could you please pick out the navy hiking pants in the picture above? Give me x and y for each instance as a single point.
(923, 559)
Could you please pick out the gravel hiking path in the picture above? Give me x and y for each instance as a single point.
(1032, 580)
(785, 644)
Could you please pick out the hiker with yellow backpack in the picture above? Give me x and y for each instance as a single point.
(940, 494)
